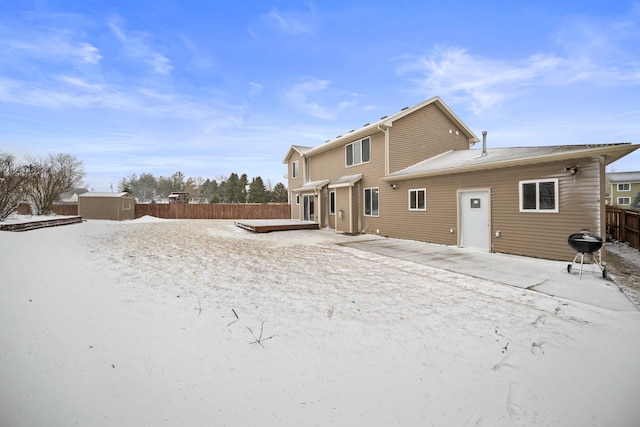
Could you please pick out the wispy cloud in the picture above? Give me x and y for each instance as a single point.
(56, 45)
(455, 73)
(598, 53)
(306, 96)
(602, 52)
(292, 22)
(136, 46)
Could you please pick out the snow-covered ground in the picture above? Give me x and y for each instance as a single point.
(200, 323)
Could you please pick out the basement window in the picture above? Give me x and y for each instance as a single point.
(539, 195)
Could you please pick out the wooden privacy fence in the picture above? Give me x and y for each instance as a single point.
(192, 211)
(624, 225)
(214, 211)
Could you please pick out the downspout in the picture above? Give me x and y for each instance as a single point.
(385, 129)
(351, 212)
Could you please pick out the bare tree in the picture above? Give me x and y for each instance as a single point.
(51, 176)
(14, 181)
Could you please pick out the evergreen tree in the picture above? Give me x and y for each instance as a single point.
(257, 191)
(208, 189)
(635, 203)
(279, 193)
(125, 186)
(243, 188)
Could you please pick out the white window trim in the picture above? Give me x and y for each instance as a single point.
(416, 190)
(537, 181)
(347, 165)
(295, 169)
(624, 183)
(621, 200)
(364, 198)
(297, 198)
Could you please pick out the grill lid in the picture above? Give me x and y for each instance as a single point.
(585, 242)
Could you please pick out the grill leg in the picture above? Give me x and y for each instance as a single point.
(581, 264)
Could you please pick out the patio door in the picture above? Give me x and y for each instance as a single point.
(474, 213)
(308, 213)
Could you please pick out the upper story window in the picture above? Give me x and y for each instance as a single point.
(624, 187)
(295, 169)
(418, 199)
(624, 200)
(539, 195)
(358, 152)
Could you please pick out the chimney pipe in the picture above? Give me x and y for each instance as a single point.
(484, 142)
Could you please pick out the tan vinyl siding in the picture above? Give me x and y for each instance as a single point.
(331, 164)
(342, 204)
(113, 208)
(534, 234)
(294, 183)
(422, 135)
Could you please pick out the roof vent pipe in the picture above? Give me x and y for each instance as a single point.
(484, 142)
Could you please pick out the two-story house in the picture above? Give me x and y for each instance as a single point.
(414, 175)
(623, 188)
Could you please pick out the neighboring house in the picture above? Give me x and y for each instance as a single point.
(179, 197)
(414, 176)
(623, 188)
(114, 206)
(71, 196)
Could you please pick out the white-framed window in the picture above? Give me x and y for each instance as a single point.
(418, 199)
(539, 195)
(624, 200)
(371, 201)
(295, 169)
(358, 152)
(332, 203)
(297, 198)
(126, 204)
(624, 187)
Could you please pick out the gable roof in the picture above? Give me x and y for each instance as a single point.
(459, 161)
(385, 123)
(616, 177)
(300, 149)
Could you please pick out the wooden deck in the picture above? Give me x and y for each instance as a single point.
(33, 225)
(268, 225)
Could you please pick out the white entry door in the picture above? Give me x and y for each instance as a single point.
(474, 210)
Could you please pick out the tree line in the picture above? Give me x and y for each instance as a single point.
(38, 181)
(147, 188)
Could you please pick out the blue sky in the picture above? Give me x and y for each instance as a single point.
(213, 87)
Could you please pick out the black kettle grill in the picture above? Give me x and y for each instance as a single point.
(586, 246)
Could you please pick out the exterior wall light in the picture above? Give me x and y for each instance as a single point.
(571, 170)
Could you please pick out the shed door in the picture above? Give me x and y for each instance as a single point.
(475, 225)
